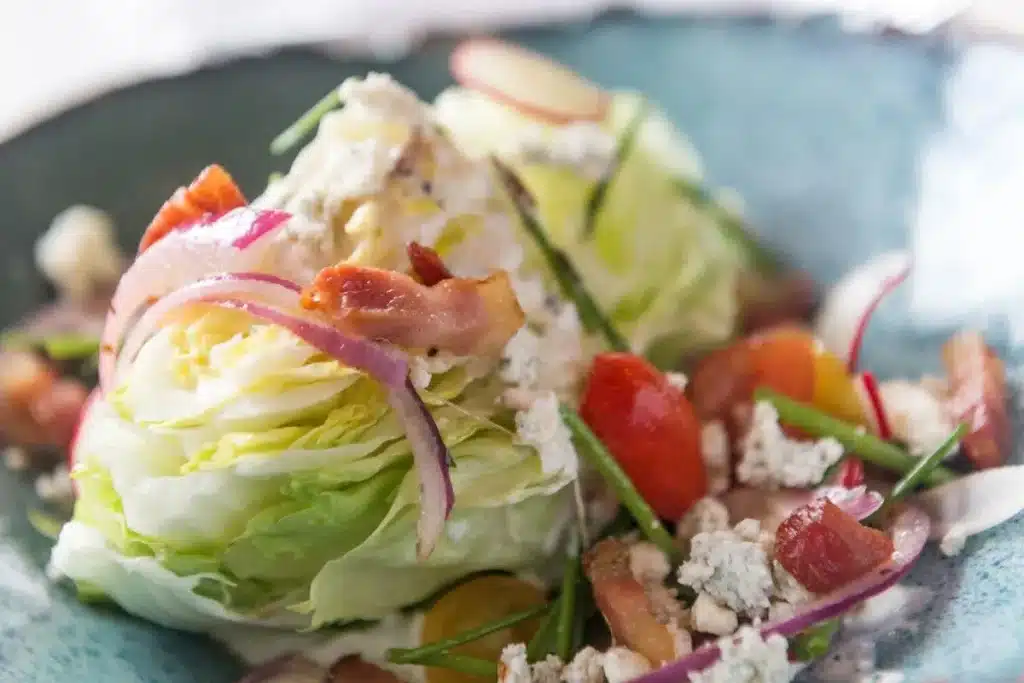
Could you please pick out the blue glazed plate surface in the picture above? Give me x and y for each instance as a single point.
(822, 133)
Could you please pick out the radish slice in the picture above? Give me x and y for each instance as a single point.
(856, 501)
(909, 534)
(848, 308)
(974, 503)
(871, 401)
(268, 289)
(390, 367)
(237, 242)
(527, 81)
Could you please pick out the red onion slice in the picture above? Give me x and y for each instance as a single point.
(260, 287)
(857, 501)
(237, 242)
(431, 455)
(390, 367)
(909, 534)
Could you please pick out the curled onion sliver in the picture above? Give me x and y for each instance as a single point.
(870, 398)
(909, 534)
(260, 287)
(431, 455)
(179, 259)
(857, 502)
(287, 668)
(390, 367)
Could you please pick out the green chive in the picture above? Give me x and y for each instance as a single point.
(869, 447)
(597, 455)
(567, 604)
(569, 279)
(925, 465)
(473, 666)
(622, 150)
(815, 642)
(415, 655)
(61, 347)
(541, 645)
(293, 134)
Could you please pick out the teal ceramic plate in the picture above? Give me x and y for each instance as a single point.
(821, 132)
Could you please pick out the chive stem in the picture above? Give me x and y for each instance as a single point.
(622, 150)
(540, 646)
(925, 465)
(293, 134)
(869, 447)
(569, 279)
(598, 456)
(473, 666)
(567, 603)
(416, 655)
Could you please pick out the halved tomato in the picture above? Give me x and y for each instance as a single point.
(651, 429)
(824, 548)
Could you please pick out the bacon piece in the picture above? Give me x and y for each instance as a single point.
(977, 397)
(460, 315)
(427, 264)
(643, 617)
(212, 193)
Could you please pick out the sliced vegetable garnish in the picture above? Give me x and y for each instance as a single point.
(598, 456)
(869, 447)
(909, 532)
(562, 268)
(527, 81)
(825, 548)
(978, 397)
(597, 193)
(237, 242)
(295, 133)
(212, 193)
(873, 407)
(855, 501)
(650, 428)
(925, 465)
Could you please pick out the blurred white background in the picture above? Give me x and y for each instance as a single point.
(55, 54)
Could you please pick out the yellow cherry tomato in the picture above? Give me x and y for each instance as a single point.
(834, 392)
(474, 603)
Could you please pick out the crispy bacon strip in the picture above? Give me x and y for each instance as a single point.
(427, 264)
(977, 397)
(461, 315)
(213, 192)
(641, 617)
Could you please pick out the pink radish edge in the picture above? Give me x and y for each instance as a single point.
(465, 78)
(889, 285)
(871, 397)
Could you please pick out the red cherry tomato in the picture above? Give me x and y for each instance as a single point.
(650, 428)
(824, 548)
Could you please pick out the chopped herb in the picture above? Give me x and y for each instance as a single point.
(598, 456)
(542, 644)
(293, 134)
(622, 150)
(569, 279)
(417, 655)
(926, 465)
(853, 438)
(474, 666)
(815, 642)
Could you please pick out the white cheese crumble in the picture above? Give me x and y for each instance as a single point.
(732, 570)
(916, 416)
(714, 449)
(787, 588)
(541, 426)
(707, 514)
(546, 357)
(548, 671)
(381, 96)
(583, 146)
(622, 664)
(747, 658)
(79, 252)
(708, 616)
(513, 667)
(952, 544)
(771, 460)
(647, 563)
(585, 667)
(677, 380)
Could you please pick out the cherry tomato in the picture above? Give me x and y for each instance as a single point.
(834, 391)
(784, 360)
(977, 382)
(475, 603)
(650, 428)
(824, 548)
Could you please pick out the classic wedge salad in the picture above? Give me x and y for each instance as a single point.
(411, 411)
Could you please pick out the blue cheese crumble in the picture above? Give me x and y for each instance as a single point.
(541, 427)
(749, 658)
(771, 460)
(732, 568)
